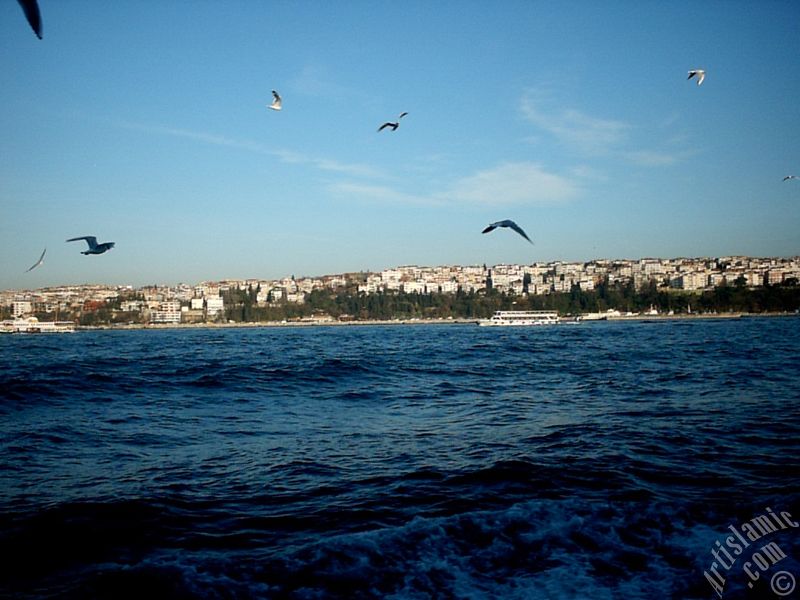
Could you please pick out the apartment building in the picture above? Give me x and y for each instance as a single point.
(168, 311)
(214, 305)
(21, 307)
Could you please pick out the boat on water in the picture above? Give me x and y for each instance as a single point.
(34, 325)
(518, 318)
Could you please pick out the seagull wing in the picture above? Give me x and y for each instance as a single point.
(402, 114)
(38, 262)
(518, 229)
(701, 74)
(90, 239)
(31, 9)
(790, 177)
(491, 227)
(385, 125)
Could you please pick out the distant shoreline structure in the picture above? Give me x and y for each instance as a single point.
(650, 288)
(34, 325)
(437, 321)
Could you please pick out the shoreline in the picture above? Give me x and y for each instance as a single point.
(276, 324)
(459, 321)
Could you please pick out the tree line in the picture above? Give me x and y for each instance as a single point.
(240, 304)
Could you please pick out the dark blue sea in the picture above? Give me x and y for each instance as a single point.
(599, 460)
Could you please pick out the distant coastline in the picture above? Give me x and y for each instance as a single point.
(412, 294)
(436, 321)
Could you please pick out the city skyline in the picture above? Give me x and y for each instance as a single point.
(577, 121)
(639, 270)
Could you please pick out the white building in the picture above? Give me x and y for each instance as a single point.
(448, 287)
(411, 287)
(296, 297)
(696, 280)
(214, 305)
(168, 312)
(21, 307)
(131, 306)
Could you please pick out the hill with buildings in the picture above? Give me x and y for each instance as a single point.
(678, 285)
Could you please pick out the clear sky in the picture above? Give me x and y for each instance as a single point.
(145, 123)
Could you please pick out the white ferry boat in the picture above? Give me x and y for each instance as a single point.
(510, 318)
(34, 325)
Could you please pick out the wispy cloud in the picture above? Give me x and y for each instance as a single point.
(507, 184)
(597, 136)
(199, 136)
(588, 173)
(650, 158)
(573, 127)
(512, 183)
(327, 164)
(316, 81)
(286, 156)
(379, 193)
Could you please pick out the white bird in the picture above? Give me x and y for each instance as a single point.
(38, 262)
(510, 224)
(393, 124)
(701, 74)
(94, 247)
(276, 101)
(791, 177)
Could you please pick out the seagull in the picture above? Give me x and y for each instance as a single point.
(38, 262)
(791, 177)
(394, 125)
(31, 9)
(701, 74)
(507, 223)
(276, 101)
(94, 247)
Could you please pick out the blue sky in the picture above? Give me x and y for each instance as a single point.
(145, 123)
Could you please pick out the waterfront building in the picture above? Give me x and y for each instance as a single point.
(214, 305)
(21, 307)
(167, 312)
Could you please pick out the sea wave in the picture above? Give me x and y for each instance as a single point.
(543, 548)
(597, 461)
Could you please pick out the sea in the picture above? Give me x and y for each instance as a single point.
(603, 460)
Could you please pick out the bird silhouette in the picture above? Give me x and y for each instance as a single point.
(94, 247)
(393, 124)
(507, 223)
(38, 262)
(31, 10)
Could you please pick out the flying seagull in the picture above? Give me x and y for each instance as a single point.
(31, 9)
(791, 177)
(276, 101)
(38, 262)
(507, 223)
(94, 247)
(701, 74)
(393, 124)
